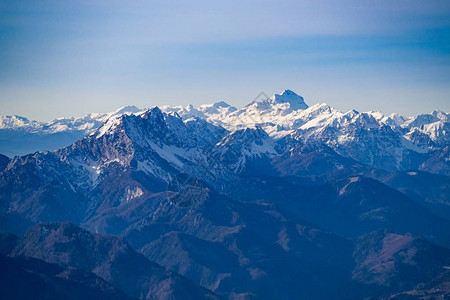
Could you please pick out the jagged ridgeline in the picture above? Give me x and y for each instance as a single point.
(275, 200)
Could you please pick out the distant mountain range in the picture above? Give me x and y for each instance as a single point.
(391, 142)
(20, 136)
(276, 200)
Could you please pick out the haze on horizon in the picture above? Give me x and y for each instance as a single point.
(71, 58)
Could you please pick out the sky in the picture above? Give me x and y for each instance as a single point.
(70, 58)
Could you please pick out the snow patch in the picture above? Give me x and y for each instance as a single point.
(351, 180)
(133, 193)
(110, 125)
(169, 153)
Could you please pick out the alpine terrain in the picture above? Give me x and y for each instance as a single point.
(274, 200)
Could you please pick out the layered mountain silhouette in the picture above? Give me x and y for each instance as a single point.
(29, 278)
(276, 200)
(98, 262)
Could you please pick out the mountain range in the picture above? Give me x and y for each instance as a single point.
(275, 200)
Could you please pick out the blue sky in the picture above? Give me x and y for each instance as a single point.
(61, 58)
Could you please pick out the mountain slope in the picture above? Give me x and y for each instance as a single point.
(357, 205)
(145, 151)
(110, 258)
(430, 190)
(232, 248)
(247, 151)
(28, 278)
(397, 261)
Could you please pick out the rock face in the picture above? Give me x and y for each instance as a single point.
(4, 161)
(276, 200)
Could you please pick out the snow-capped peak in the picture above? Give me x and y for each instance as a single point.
(283, 115)
(442, 116)
(109, 126)
(220, 107)
(295, 101)
(128, 109)
(221, 104)
(13, 122)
